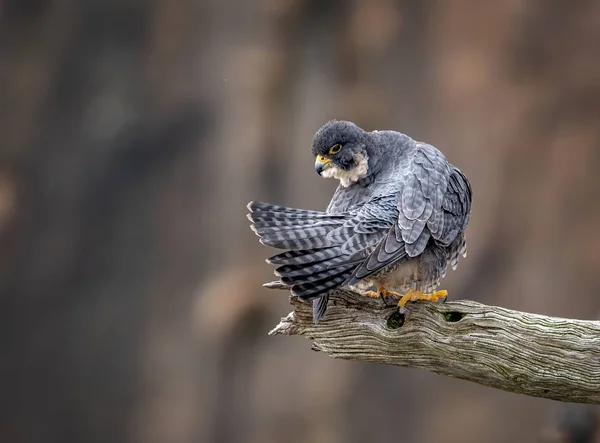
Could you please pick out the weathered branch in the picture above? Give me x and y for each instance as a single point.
(518, 352)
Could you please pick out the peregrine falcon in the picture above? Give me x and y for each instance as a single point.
(395, 222)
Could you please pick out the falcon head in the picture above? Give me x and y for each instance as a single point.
(340, 148)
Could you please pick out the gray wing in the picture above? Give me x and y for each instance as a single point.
(325, 248)
(433, 203)
(348, 199)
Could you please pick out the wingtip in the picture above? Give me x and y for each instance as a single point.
(254, 229)
(352, 280)
(265, 242)
(319, 308)
(275, 285)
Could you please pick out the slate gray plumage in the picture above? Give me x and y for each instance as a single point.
(396, 220)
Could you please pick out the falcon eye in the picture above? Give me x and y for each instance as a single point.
(335, 149)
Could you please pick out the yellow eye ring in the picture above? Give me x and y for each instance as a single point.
(335, 149)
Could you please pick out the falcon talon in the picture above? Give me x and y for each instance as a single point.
(396, 221)
(382, 297)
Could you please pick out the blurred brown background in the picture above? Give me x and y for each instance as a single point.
(134, 132)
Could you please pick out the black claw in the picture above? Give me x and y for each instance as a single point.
(382, 297)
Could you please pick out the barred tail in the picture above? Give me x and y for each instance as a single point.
(289, 228)
(316, 263)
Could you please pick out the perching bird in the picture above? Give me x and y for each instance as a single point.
(395, 222)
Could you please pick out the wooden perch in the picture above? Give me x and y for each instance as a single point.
(529, 354)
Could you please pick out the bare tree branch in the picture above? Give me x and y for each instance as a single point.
(514, 351)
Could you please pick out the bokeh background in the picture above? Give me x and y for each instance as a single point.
(133, 133)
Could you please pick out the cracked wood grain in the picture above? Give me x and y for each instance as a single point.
(529, 354)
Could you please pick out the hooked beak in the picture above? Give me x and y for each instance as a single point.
(322, 163)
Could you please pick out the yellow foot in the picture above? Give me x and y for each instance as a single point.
(381, 293)
(372, 294)
(418, 295)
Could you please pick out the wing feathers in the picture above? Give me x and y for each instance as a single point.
(430, 202)
(319, 307)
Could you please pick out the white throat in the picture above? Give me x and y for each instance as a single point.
(346, 178)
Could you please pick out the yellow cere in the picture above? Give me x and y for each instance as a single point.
(323, 159)
(335, 149)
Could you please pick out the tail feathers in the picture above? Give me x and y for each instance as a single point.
(314, 289)
(317, 276)
(291, 215)
(319, 307)
(305, 243)
(317, 262)
(463, 247)
(304, 256)
(313, 274)
(455, 250)
(290, 228)
(262, 210)
(316, 270)
(292, 223)
(293, 232)
(314, 267)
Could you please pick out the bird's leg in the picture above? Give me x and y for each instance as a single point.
(413, 295)
(380, 293)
